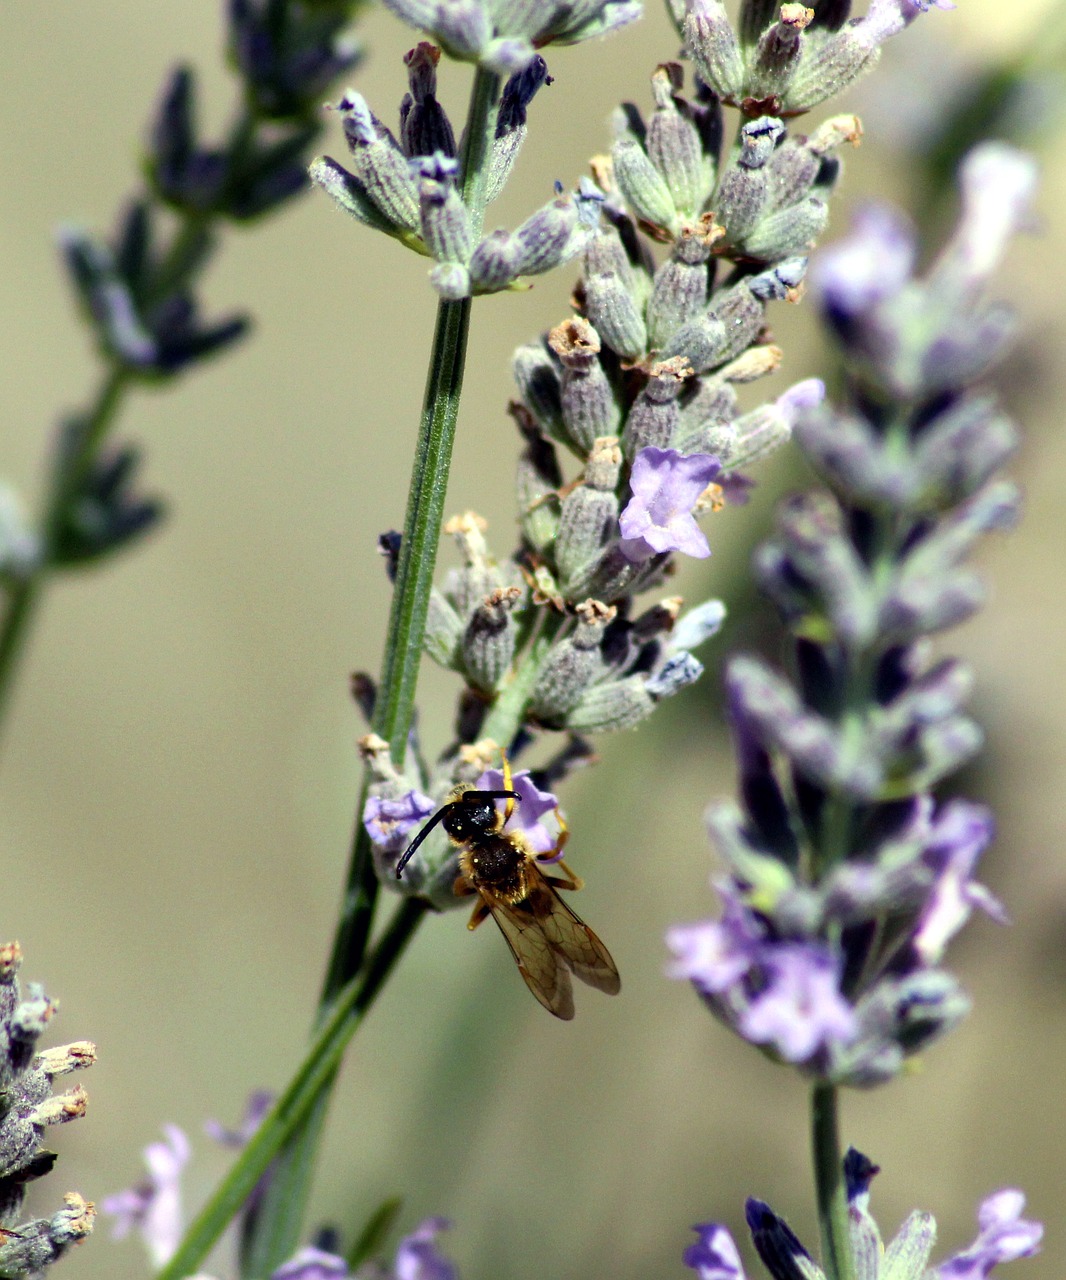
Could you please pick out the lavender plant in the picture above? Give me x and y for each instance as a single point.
(137, 289)
(28, 1108)
(845, 878)
(847, 874)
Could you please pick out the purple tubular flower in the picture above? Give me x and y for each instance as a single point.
(312, 1264)
(960, 834)
(715, 954)
(800, 1009)
(666, 485)
(532, 805)
(417, 1257)
(389, 821)
(872, 264)
(154, 1206)
(1004, 1236)
(998, 185)
(258, 1104)
(715, 1255)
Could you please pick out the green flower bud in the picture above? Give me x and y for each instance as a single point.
(589, 407)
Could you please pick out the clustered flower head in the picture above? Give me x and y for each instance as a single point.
(29, 1109)
(846, 876)
(628, 410)
(409, 187)
(1004, 1236)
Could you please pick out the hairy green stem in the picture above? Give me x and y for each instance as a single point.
(277, 1229)
(320, 1064)
(830, 1190)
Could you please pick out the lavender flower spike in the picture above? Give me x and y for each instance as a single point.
(666, 486)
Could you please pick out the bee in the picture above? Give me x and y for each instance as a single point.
(547, 940)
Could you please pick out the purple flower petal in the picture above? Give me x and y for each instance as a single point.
(154, 1206)
(960, 834)
(801, 1008)
(389, 821)
(1004, 1236)
(312, 1264)
(258, 1104)
(872, 264)
(658, 517)
(532, 805)
(417, 1257)
(715, 1255)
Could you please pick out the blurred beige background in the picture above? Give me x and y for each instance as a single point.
(179, 768)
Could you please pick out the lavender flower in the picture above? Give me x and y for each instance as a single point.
(838, 831)
(666, 486)
(391, 822)
(532, 805)
(312, 1264)
(154, 1207)
(418, 1258)
(1005, 1236)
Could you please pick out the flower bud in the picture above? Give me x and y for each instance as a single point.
(380, 165)
(444, 632)
(589, 407)
(444, 218)
(489, 639)
(424, 125)
(654, 416)
(451, 280)
(745, 186)
(539, 384)
(789, 231)
(722, 333)
(713, 45)
(643, 187)
(778, 52)
(546, 238)
(572, 664)
(675, 147)
(588, 519)
(610, 296)
(612, 705)
(682, 284)
(494, 263)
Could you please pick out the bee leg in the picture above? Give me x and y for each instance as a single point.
(565, 881)
(509, 809)
(480, 913)
(555, 853)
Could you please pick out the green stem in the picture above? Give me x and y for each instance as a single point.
(277, 1229)
(837, 1262)
(319, 1065)
(65, 483)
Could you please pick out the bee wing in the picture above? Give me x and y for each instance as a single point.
(571, 938)
(537, 960)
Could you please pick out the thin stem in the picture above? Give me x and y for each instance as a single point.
(67, 476)
(319, 1065)
(829, 1185)
(277, 1229)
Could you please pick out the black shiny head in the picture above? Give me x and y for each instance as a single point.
(471, 814)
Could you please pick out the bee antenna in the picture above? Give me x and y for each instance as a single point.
(407, 853)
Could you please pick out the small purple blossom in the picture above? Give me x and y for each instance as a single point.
(417, 1257)
(312, 1264)
(154, 1206)
(715, 954)
(960, 834)
(259, 1103)
(1004, 1236)
(532, 805)
(800, 1009)
(389, 821)
(872, 264)
(666, 486)
(715, 1255)
(998, 185)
